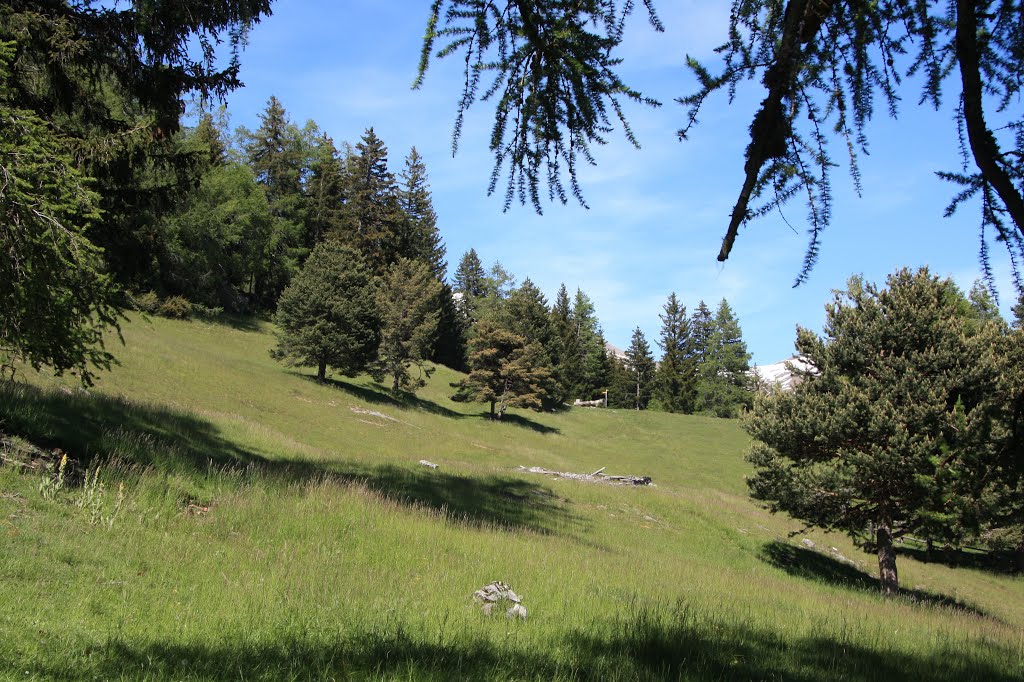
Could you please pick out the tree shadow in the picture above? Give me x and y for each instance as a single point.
(90, 426)
(644, 645)
(807, 563)
(242, 323)
(523, 422)
(379, 395)
(992, 561)
(492, 501)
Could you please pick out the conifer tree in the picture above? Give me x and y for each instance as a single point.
(56, 301)
(552, 71)
(565, 354)
(277, 155)
(469, 283)
(677, 372)
(325, 193)
(504, 371)
(722, 377)
(420, 239)
(641, 368)
(327, 316)
(407, 304)
(891, 426)
(372, 219)
(702, 326)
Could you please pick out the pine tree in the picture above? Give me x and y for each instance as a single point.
(420, 239)
(504, 371)
(372, 219)
(327, 316)
(891, 428)
(325, 193)
(276, 154)
(469, 284)
(407, 304)
(565, 348)
(677, 372)
(56, 302)
(702, 326)
(641, 368)
(723, 380)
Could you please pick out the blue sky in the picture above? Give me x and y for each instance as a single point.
(657, 215)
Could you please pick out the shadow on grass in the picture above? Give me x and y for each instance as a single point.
(994, 561)
(495, 501)
(643, 646)
(88, 426)
(381, 395)
(819, 567)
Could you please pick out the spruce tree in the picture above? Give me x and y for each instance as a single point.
(372, 219)
(677, 373)
(723, 380)
(56, 301)
(325, 193)
(277, 155)
(641, 368)
(407, 305)
(505, 371)
(469, 284)
(893, 424)
(565, 348)
(419, 238)
(328, 316)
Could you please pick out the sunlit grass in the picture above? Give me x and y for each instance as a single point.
(273, 528)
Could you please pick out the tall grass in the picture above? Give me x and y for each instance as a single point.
(269, 531)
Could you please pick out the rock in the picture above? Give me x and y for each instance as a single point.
(517, 611)
(428, 464)
(497, 591)
(807, 542)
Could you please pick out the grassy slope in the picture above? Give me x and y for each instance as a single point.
(336, 555)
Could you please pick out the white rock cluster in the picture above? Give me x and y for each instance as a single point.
(496, 592)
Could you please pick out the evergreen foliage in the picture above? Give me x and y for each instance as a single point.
(419, 238)
(407, 305)
(223, 242)
(892, 429)
(722, 367)
(677, 372)
(504, 371)
(325, 193)
(56, 300)
(825, 66)
(641, 368)
(327, 316)
(372, 220)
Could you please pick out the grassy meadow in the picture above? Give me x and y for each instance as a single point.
(248, 523)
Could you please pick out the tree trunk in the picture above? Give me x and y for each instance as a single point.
(886, 559)
(929, 547)
(321, 372)
(394, 384)
(492, 409)
(1020, 558)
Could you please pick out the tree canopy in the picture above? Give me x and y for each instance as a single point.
(824, 67)
(891, 431)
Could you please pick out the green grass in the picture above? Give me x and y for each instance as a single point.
(273, 528)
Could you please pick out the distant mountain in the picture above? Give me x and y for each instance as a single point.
(780, 373)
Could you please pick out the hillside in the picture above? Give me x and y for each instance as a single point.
(272, 528)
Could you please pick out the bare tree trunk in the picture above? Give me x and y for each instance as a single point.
(321, 372)
(886, 559)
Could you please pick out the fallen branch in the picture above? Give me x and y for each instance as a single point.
(596, 477)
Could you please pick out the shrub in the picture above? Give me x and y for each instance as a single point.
(176, 307)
